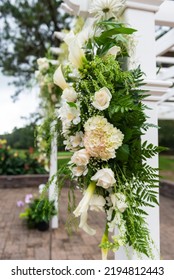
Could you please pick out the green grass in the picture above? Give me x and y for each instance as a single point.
(64, 154)
(166, 165)
(63, 158)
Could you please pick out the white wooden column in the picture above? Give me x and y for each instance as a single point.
(141, 16)
(53, 189)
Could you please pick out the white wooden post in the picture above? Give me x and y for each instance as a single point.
(141, 16)
(53, 189)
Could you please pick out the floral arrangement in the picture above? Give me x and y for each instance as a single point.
(103, 119)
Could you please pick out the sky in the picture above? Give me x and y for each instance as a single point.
(11, 112)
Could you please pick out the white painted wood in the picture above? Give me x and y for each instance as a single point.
(53, 189)
(145, 55)
(166, 96)
(78, 7)
(143, 52)
(168, 74)
(165, 15)
(145, 5)
(166, 111)
(165, 43)
(165, 59)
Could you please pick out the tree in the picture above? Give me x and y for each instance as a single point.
(26, 34)
(21, 138)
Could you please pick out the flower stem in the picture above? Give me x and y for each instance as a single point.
(105, 239)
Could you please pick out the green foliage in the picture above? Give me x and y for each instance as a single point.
(166, 134)
(39, 210)
(12, 163)
(26, 28)
(21, 138)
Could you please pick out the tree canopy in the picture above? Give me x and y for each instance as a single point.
(26, 32)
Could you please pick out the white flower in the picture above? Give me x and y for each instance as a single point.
(114, 51)
(43, 63)
(69, 115)
(82, 209)
(80, 158)
(102, 99)
(106, 8)
(41, 188)
(101, 139)
(77, 140)
(69, 94)
(97, 203)
(59, 79)
(105, 178)
(78, 171)
(74, 142)
(76, 53)
(116, 221)
(119, 201)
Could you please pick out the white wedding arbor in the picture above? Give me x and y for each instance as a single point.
(147, 16)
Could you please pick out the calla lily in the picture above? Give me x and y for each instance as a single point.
(76, 53)
(114, 51)
(59, 79)
(82, 209)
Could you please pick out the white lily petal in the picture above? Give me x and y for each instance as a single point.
(59, 79)
(82, 209)
(76, 54)
(83, 224)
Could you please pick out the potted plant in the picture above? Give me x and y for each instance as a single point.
(38, 213)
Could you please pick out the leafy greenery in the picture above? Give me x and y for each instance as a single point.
(12, 163)
(21, 138)
(166, 135)
(39, 210)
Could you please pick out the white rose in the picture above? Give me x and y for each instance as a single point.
(79, 171)
(102, 99)
(69, 94)
(114, 51)
(43, 63)
(119, 201)
(104, 177)
(80, 158)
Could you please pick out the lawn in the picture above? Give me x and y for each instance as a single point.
(166, 165)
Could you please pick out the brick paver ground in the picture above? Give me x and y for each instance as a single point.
(17, 242)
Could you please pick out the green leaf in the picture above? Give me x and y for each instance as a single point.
(72, 104)
(123, 153)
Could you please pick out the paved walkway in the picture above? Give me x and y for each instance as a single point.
(17, 242)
